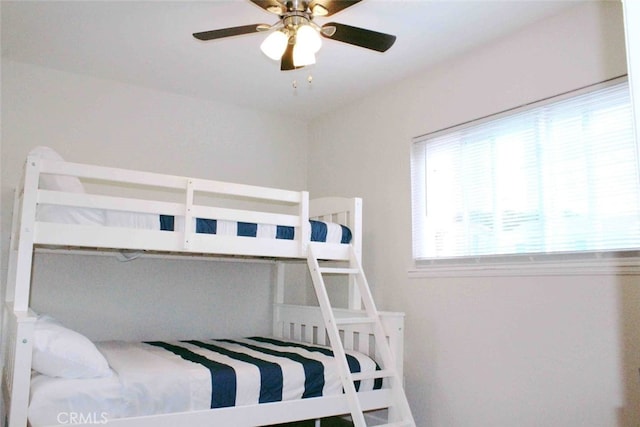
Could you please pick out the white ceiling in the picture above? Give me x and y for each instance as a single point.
(150, 44)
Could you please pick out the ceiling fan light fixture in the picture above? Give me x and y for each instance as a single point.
(274, 45)
(328, 30)
(319, 10)
(276, 9)
(308, 38)
(302, 56)
(296, 35)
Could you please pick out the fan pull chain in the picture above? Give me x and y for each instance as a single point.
(294, 83)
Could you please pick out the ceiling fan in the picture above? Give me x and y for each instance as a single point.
(295, 38)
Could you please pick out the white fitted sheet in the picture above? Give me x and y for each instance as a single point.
(151, 380)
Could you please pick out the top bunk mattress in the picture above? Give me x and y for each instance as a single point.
(321, 231)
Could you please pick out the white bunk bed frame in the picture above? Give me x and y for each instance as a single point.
(298, 322)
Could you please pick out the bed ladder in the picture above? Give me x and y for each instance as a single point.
(399, 410)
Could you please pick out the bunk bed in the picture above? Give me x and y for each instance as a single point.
(61, 205)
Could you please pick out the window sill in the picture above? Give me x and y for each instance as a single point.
(547, 265)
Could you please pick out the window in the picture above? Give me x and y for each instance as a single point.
(558, 176)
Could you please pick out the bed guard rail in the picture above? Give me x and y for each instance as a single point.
(189, 192)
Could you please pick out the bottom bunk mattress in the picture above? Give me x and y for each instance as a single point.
(162, 377)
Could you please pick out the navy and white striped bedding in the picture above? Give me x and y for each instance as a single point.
(320, 231)
(286, 370)
(162, 377)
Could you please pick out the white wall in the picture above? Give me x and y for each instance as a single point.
(521, 350)
(103, 122)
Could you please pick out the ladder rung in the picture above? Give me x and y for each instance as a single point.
(354, 320)
(338, 270)
(384, 373)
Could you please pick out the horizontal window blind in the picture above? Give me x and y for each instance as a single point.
(559, 176)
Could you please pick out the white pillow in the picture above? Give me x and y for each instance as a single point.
(56, 182)
(71, 184)
(61, 352)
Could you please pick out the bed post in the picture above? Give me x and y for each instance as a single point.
(18, 320)
(305, 226)
(188, 214)
(21, 261)
(10, 283)
(355, 223)
(278, 297)
(16, 378)
(8, 315)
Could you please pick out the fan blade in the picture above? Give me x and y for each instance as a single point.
(286, 63)
(273, 6)
(227, 32)
(330, 6)
(359, 36)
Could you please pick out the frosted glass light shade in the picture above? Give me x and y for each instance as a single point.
(320, 10)
(274, 45)
(308, 38)
(302, 56)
